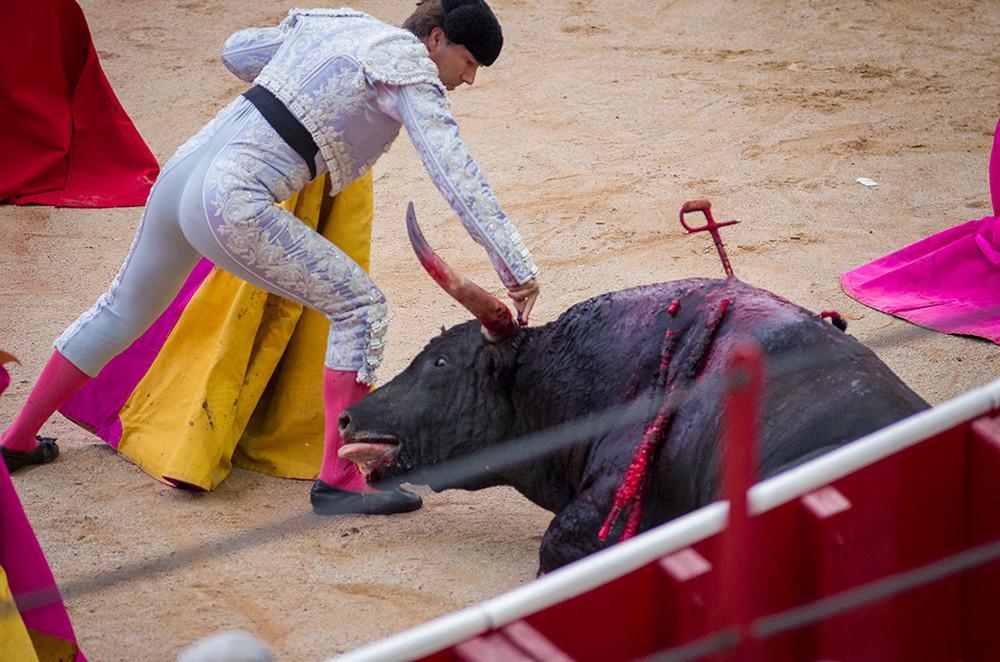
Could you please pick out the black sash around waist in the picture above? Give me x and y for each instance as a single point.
(287, 126)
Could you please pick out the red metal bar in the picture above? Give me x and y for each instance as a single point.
(743, 396)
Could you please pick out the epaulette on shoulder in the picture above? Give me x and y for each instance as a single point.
(395, 56)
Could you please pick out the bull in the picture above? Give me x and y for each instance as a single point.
(487, 381)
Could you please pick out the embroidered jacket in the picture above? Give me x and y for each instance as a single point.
(353, 81)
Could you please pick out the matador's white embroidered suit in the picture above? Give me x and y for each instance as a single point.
(352, 82)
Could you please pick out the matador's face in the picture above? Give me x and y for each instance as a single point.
(456, 65)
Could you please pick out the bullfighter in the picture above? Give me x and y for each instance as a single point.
(331, 89)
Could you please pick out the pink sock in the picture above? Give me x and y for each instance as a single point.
(340, 390)
(59, 380)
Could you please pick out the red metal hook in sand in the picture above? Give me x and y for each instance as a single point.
(705, 207)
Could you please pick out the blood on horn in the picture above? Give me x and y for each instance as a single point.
(489, 310)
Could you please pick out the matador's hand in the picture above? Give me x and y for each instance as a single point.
(524, 299)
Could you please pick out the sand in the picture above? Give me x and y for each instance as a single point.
(598, 121)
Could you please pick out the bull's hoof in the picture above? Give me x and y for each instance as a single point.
(46, 451)
(328, 500)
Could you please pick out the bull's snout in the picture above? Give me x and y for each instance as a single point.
(353, 430)
(344, 424)
(371, 451)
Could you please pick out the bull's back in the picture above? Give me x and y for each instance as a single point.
(823, 388)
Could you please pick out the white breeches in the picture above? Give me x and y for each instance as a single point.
(216, 198)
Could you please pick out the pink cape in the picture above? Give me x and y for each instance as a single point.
(949, 281)
(28, 576)
(96, 405)
(27, 571)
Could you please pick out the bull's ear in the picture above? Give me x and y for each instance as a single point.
(496, 365)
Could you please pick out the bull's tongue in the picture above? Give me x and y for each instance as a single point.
(368, 455)
(363, 452)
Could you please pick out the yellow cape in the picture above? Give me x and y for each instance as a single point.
(21, 643)
(15, 643)
(239, 379)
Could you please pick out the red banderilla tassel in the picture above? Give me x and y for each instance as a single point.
(629, 492)
(835, 317)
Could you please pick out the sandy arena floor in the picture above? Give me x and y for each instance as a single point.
(597, 122)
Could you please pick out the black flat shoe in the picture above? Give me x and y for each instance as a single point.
(328, 500)
(46, 451)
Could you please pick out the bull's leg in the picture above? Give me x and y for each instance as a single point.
(572, 534)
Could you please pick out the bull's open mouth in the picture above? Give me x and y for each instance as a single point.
(370, 452)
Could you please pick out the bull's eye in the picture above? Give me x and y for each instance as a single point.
(440, 362)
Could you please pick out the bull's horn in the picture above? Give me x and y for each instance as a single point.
(489, 310)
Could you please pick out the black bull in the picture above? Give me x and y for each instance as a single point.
(464, 393)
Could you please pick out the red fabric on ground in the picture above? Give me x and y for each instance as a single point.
(65, 139)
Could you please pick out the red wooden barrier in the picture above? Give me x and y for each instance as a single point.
(982, 585)
(924, 503)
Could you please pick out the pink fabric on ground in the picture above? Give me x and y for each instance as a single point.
(949, 281)
(27, 571)
(97, 404)
(995, 171)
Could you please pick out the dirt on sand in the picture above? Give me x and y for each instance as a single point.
(596, 123)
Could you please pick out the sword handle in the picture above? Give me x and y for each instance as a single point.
(704, 206)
